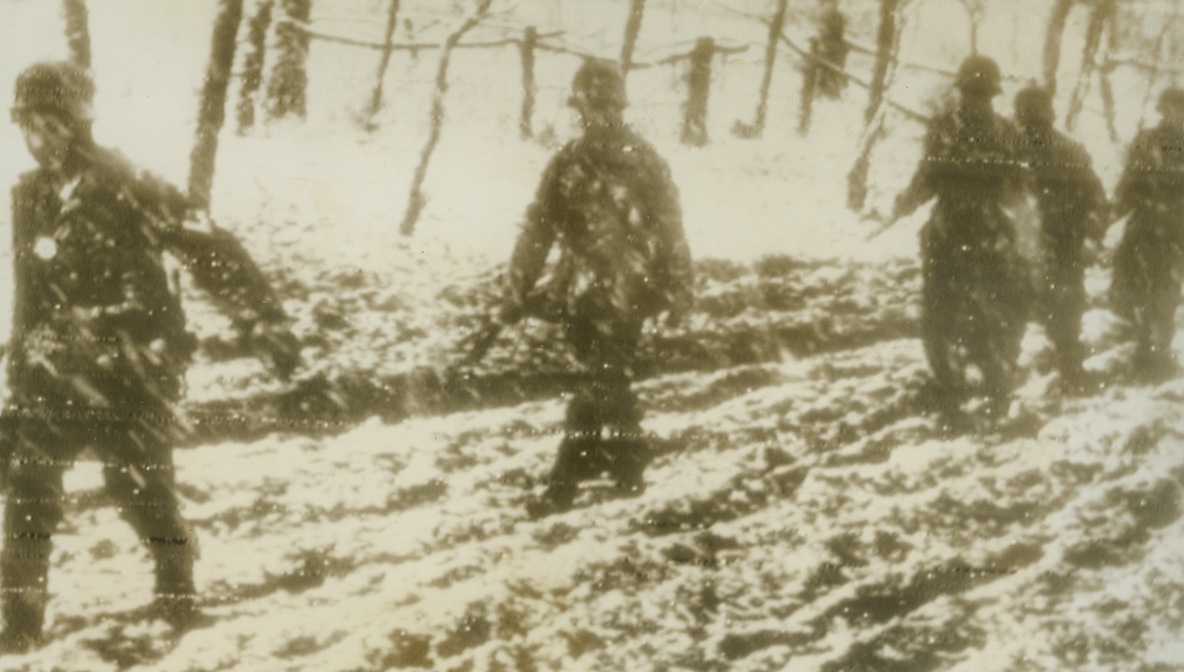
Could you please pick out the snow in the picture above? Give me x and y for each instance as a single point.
(795, 493)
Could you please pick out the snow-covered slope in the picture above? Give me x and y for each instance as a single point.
(803, 511)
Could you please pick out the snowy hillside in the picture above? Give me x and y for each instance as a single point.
(804, 511)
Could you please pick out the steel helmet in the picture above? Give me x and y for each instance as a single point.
(598, 84)
(1171, 100)
(979, 74)
(61, 86)
(1034, 104)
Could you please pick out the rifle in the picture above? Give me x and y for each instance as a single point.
(885, 224)
(480, 341)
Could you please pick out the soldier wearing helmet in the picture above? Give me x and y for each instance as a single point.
(99, 346)
(1149, 261)
(606, 200)
(979, 77)
(1073, 209)
(974, 292)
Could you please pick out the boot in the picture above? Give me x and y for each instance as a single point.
(176, 594)
(24, 613)
(629, 460)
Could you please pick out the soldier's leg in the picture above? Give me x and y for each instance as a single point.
(995, 347)
(626, 449)
(1162, 330)
(139, 474)
(34, 508)
(938, 326)
(1064, 309)
(579, 455)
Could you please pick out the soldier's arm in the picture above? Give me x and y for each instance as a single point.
(1093, 194)
(533, 245)
(23, 225)
(217, 261)
(673, 266)
(219, 265)
(921, 188)
(1132, 186)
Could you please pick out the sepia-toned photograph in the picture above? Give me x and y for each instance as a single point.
(592, 335)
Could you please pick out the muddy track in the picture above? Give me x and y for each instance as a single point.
(745, 314)
(803, 513)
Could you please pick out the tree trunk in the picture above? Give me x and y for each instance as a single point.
(757, 127)
(885, 37)
(1153, 77)
(1104, 80)
(388, 43)
(289, 79)
(1052, 42)
(632, 30)
(694, 124)
(252, 78)
(416, 200)
(857, 177)
(213, 101)
(77, 31)
(809, 88)
(1098, 18)
(526, 48)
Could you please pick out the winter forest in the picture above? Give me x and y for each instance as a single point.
(804, 511)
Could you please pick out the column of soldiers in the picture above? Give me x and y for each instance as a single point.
(978, 290)
(99, 345)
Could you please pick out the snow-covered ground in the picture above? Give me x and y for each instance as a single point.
(803, 512)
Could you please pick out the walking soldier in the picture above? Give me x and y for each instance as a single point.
(1149, 261)
(99, 346)
(1073, 209)
(607, 201)
(975, 289)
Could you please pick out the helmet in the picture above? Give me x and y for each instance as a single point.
(1171, 100)
(1034, 105)
(979, 74)
(61, 86)
(598, 84)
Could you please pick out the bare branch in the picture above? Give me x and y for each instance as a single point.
(416, 200)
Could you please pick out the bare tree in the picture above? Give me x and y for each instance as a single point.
(252, 77)
(1052, 42)
(632, 30)
(757, 127)
(885, 38)
(857, 177)
(289, 79)
(392, 22)
(526, 48)
(974, 15)
(1099, 19)
(213, 101)
(77, 31)
(416, 200)
(1161, 42)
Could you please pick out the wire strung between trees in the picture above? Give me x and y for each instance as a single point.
(503, 42)
(862, 83)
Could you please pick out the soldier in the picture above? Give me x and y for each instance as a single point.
(607, 201)
(830, 45)
(974, 292)
(1073, 208)
(99, 346)
(1149, 261)
(828, 50)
